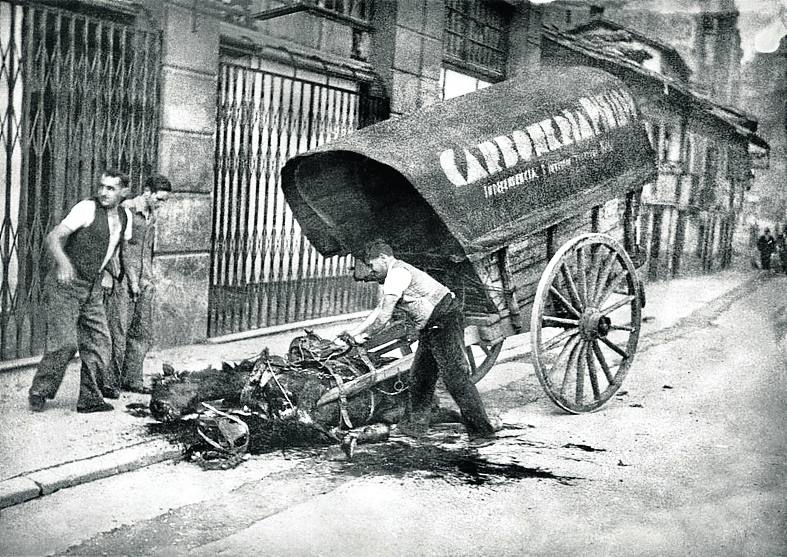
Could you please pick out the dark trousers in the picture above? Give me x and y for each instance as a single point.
(441, 353)
(75, 320)
(131, 329)
(765, 260)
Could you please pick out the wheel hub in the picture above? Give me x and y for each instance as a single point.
(593, 324)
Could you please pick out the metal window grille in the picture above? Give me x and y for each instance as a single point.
(77, 94)
(476, 36)
(264, 272)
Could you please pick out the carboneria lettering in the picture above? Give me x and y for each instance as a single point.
(594, 116)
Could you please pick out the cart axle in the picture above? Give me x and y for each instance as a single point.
(593, 324)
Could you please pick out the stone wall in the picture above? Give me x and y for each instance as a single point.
(186, 146)
(407, 51)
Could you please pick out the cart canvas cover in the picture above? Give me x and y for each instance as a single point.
(465, 177)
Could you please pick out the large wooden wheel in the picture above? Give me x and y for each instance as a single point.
(585, 322)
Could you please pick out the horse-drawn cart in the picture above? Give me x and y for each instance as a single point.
(523, 199)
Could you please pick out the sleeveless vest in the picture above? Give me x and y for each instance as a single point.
(87, 247)
(421, 296)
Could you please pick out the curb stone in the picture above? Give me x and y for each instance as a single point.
(44, 482)
(18, 490)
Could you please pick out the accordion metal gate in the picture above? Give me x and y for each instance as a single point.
(78, 94)
(264, 272)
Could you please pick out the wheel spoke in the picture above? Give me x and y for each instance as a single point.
(582, 276)
(628, 328)
(595, 268)
(609, 263)
(614, 347)
(572, 361)
(556, 293)
(580, 386)
(603, 362)
(593, 373)
(557, 339)
(561, 321)
(572, 287)
(564, 357)
(611, 286)
(617, 305)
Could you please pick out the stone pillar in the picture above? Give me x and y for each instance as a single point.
(407, 51)
(186, 152)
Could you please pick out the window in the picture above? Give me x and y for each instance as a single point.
(476, 36)
(455, 84)
(664, 145)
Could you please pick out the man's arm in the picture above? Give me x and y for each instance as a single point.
(131, 259)
(379, 318)
(366, 322)
(54, 242)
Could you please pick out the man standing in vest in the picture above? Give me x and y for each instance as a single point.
(130, 303)
(81, 246)
(437, 314)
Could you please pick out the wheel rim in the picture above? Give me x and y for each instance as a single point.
(482, 359)
(585, 322)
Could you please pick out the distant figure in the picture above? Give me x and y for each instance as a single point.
(781, 246)
(767, 245)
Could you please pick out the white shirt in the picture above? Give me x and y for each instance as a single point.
(396, 281)
(83, 214)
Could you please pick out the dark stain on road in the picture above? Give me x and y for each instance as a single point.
(463, 466)
(582, 447)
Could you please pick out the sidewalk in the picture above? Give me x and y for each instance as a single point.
(58, 448)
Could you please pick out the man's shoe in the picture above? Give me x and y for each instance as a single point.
(141, 389)
(100, 407)
(37, 403)
(478, 441)
(110, 392)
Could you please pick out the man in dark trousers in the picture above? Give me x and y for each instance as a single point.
(130, 301)
(437, 314)
(781, 244)
(767, 245)
(81, 245)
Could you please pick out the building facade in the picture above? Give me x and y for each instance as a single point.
(216, 95)
(689, 214)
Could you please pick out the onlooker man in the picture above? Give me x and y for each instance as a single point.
(130, 303)
(81, 245)
(438, 315)
(767, 245)
(781, 246)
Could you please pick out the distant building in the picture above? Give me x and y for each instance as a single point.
(704, 32)
(689, 213)
(764, 93)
